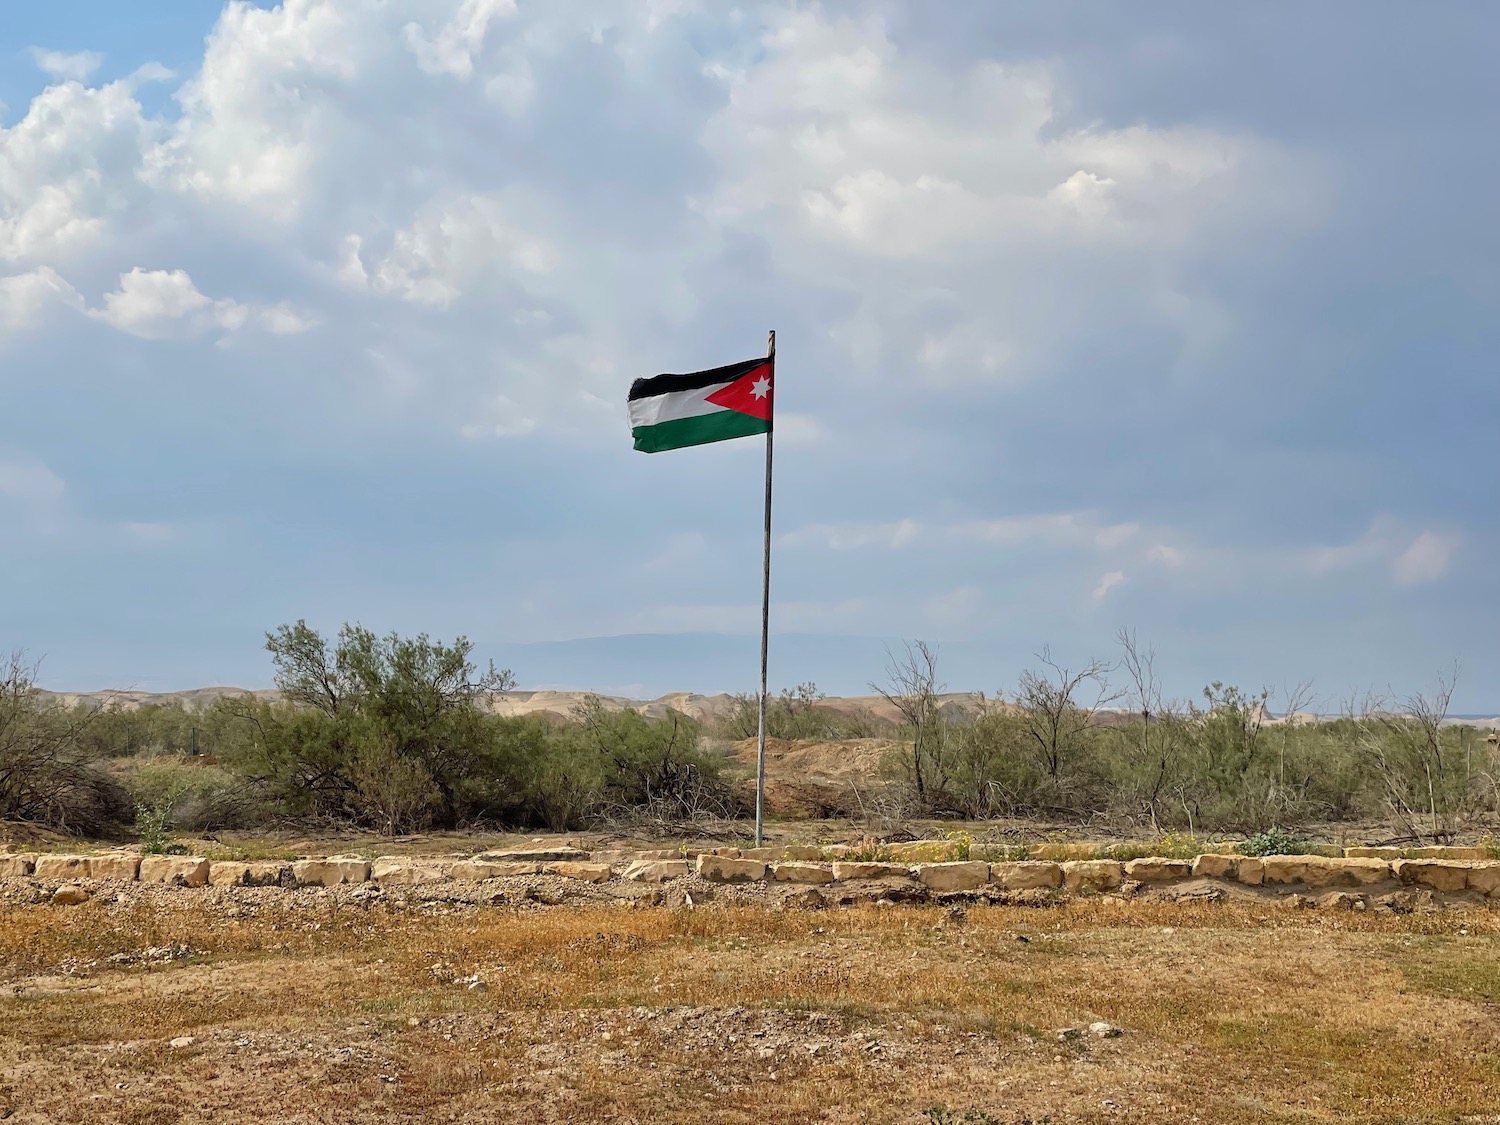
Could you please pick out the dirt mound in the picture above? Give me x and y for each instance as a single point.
(815, 779)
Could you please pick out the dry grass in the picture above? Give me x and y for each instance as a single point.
(306, 1011)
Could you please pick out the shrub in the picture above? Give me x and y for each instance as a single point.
(1273, 841)
(49, 773)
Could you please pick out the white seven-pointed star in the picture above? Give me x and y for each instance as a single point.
(761, 387)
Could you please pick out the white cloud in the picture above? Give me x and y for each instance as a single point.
(66, 66)
(452, 49)
(25, 297)
(1108, 582)
(881, 175)
(433, 260)
(1426, 560)
(68, 167)
(163, 304)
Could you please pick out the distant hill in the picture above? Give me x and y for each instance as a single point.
(704, 708)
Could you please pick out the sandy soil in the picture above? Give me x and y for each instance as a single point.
(254, 1006)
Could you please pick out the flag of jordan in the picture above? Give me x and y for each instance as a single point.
(672, 411)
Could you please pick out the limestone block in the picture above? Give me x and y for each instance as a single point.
(561, 853)
(478, 870)
(1439, 874)
(727, 869)
(1319, 871)
(1251, 870)
(657, 870)
(120, 866)
(587, 872)
(1372, 853)
(61, 867)
(1449, 852)
(1361, 871)
(1485, 878)
(331, 872)
(399, 871)
(1092, 874)
(227, 873)
(268, 873)
(1216, 866)
(843, 871)
(179, 870)
(17, 866)
(795, 872)
(1155, 869)
(1026, 875)
(966, 875)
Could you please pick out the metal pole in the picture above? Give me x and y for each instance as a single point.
(765, 617)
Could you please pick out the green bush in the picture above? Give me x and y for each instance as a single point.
(1273, 841)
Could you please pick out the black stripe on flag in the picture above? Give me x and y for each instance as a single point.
(666, 384)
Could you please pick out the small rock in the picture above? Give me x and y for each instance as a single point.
(1104, 1030)
(69, 895)
(478, 986)
(181, 1041)
(809, 898)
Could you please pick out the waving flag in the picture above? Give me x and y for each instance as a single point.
(673, 411)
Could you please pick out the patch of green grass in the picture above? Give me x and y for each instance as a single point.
(1476, 978)
(249, 853)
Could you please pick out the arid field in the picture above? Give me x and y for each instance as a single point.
(173, 1007)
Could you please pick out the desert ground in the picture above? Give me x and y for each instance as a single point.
(165, 1005)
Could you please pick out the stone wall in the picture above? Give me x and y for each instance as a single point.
(1363, 879)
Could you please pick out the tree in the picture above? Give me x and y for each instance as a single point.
(1420, 769)
(384, 728)
(1056, 721)
(911, 686)
(1144, 692)
(49, 772)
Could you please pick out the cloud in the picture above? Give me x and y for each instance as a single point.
(165, 304)
(25, 297)
(65, 66)
(1426, 560)
(1107, 582)
(1043, 321)
(67, 168)
(432, 261)
(452, 49)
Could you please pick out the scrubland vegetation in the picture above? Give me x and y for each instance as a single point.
(395, 735)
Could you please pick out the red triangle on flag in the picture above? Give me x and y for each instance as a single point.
(750, 394)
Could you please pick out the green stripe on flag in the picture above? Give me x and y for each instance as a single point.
(718, 426)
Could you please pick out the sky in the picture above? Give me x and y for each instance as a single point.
(1170, 317)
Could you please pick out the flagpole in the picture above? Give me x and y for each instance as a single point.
(765, 616)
